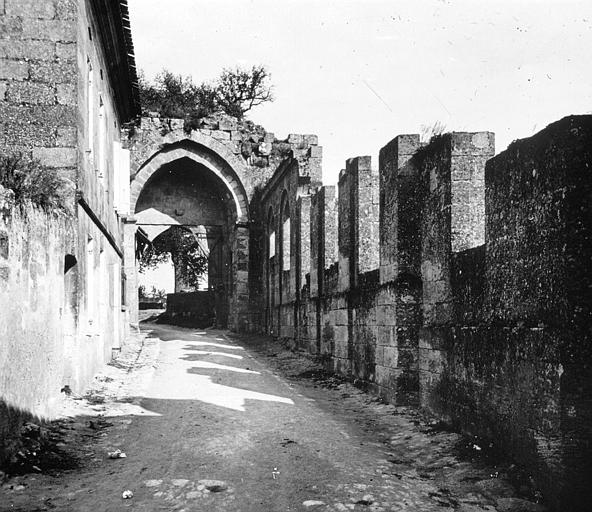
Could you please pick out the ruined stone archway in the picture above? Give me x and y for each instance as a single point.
(189, 184)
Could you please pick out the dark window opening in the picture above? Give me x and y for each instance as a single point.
(69, 262)
(123, 288)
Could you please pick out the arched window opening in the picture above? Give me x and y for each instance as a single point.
(285, 227)
(71, 285)
(270, 234)
(272, 244)
(286, 245)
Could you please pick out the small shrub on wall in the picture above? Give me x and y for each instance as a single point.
(32, 182)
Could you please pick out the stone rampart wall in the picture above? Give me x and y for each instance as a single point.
(478, 309)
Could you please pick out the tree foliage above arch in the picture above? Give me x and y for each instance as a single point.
(235, 92)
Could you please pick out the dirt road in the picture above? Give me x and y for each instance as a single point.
(213, 423)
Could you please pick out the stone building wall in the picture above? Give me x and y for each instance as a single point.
(51, 111)
(38, 80)
(286, 205)
(478, 309)
(102, 173)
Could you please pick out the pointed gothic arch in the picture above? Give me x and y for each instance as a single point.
(215, 160)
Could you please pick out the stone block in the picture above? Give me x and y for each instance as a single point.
(259, 161)
(311, 140)
(220, 135)
(264, 148)
(246, 149)
(431, 361)
(29, 133)
(10, 27)
(66, 51)
(66, 94)
(359, 163)
(385, 376)
(69, 173)
(176, 124)
(234, 146)
(390, 357)
(341, 317)
(30, 93)
(26, 49)
(437, 314)
(66, 136)
(407, 336)
(228, 124)
(315, 151)
(341, 350)
(385, 315)
(295, 138)
(50, 30)
(255, 137)
(343, 281)
(54, 72)
(385, 335)
(341, 334)
(43, 9)
(13, 69)
(472, 143)
(56, 157)
(66, 9)
(3, 87)
(387, 296)
(436, 290)
(210, 124)
(432, 271)
(4, 245)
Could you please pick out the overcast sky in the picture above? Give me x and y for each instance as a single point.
(358, 73)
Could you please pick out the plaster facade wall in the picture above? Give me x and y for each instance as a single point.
(478, 309)
(36, 315)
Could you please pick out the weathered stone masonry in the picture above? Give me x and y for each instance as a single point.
(448, 278)
(66, 90)
(479, 306)
(241, 158)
